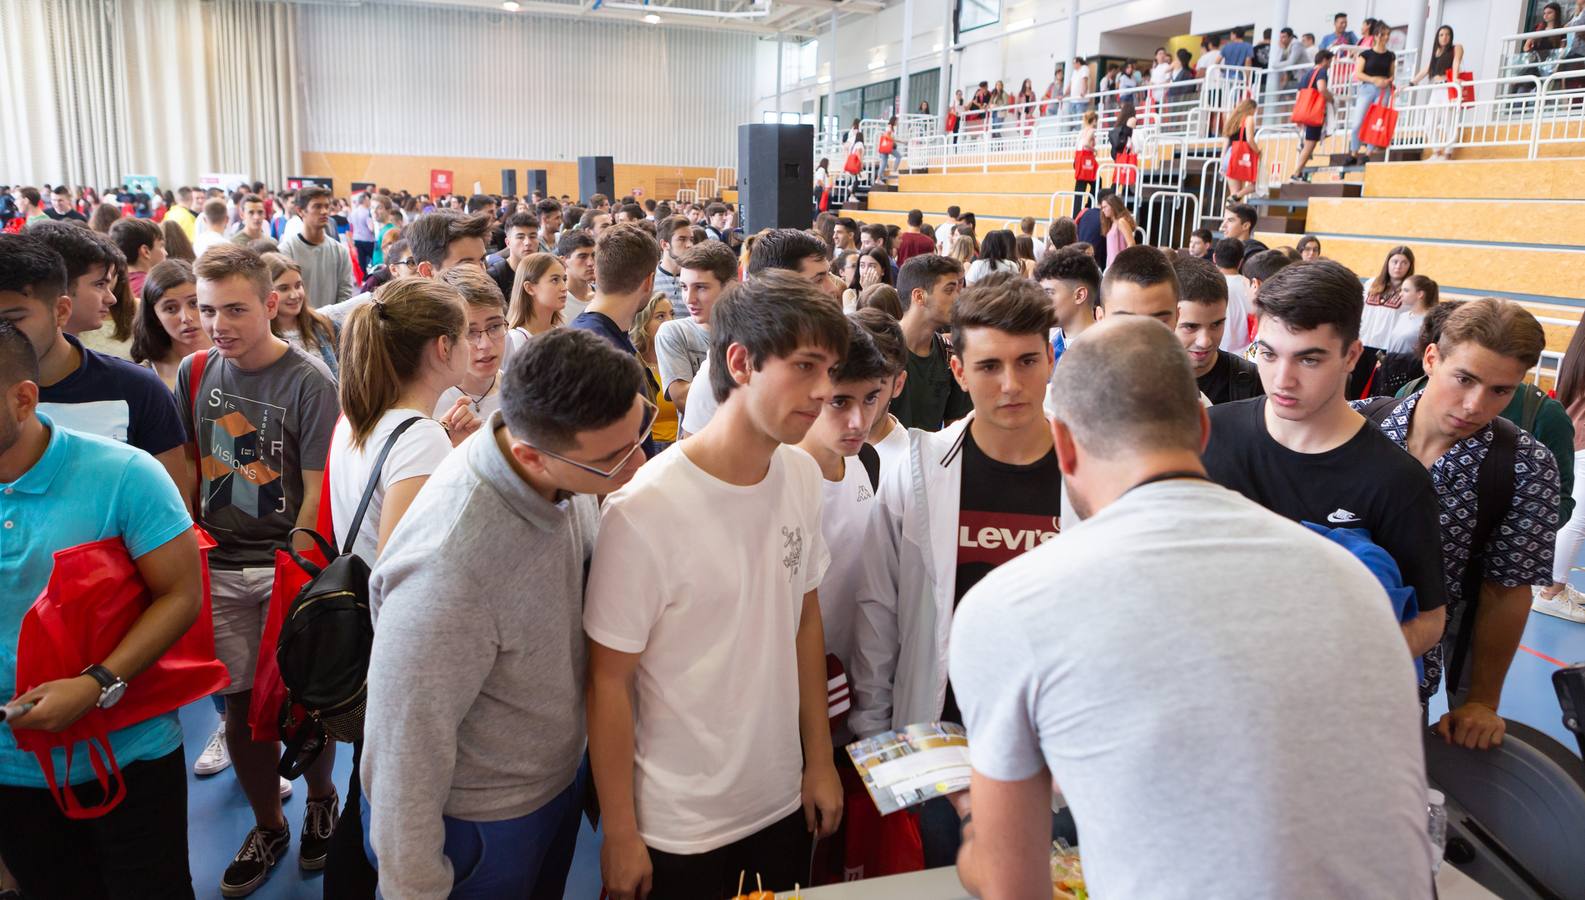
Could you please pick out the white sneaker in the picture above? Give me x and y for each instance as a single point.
(215, 757)
(1568, 604)
(286, 789)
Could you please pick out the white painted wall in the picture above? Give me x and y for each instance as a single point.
(1033, 53)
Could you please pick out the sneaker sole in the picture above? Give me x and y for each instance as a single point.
(202, 771)
(244, 890)
(311, 865)
(1556, 614)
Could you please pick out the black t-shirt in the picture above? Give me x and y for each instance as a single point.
(931, 396)
(1003, 511)
(1369, 482)
(1231, 378)
(1377, 65)
(70, 214)
(501, 270)
(116, 399)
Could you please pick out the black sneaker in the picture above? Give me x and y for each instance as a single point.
(319, 822)
(261, 850)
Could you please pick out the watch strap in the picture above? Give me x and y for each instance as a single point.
(104, 676)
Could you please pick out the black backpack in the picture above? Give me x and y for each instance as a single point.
(1494, 484)
(325, 642)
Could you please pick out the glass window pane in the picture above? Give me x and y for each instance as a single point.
(974, 14)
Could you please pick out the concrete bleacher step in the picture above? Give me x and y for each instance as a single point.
(1006, 205)
(1294, 190)
(1545, 222)
(1537, 179)
(989, 182)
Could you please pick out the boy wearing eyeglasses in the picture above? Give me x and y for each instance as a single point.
(708, 732)
(475, 731)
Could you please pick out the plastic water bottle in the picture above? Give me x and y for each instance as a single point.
(1436, 826)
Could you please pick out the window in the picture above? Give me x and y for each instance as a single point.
(974, 14)
(800, 62)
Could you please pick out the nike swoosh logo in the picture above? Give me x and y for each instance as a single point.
(1341, 517)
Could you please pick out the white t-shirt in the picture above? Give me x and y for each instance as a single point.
(575, 307)
(1236, 338)
(483, 409)
(1079, 84)
(981, 268)
(1241, 705)
(717, 750)
(417, 453)
(844, 511)
(701, 405)
(944, 234)
(893, 448)
(207, 239)
(1405, 334)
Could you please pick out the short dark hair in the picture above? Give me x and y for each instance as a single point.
(1004, 302)
(31, 266)
(877, 232)
(916, 218)
(567, 381)
(1205, 235)
(953, 212)
(665, 228)
(1062, 233)
(18, 361)
(883, 297)
(547, 207)
(1143, 265)
(479, 201)
(1199, 281)
(1265, 264)
(1341, 15)
(1228, 253)
(432, 233)
(713, 257)
(922, 272)
(1246, 213)
(633, 210)
(1070, 264)
(773, 315)
(716, 209)
(308, 193)
(522, 219)
(1317, 293)
(82, 249)
(227, 260)
(886, 334)
(783, 248)
(624, 255)
(571, 242)
(863, 360)
(131, 235)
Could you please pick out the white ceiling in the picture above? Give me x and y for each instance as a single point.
(792, 18)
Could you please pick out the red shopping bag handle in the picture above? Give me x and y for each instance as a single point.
(106, 770)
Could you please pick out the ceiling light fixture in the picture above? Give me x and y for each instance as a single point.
(511, 6)
(652, 19)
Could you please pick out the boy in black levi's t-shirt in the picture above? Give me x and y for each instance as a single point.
(1302, 452)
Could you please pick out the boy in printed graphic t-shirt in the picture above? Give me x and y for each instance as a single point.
(991, 489)
(708, 732)
(262, 424)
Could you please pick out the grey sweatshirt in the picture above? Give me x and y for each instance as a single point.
(477, 675)
(327, 269)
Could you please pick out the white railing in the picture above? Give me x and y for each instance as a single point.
(1213, 188)
(725, 175)
(1505, 113)
(687, 195)
(1540, 54)
(1071, 202)
(1279, 147)
(707, 188)
(1560, 113)
(1161, 223)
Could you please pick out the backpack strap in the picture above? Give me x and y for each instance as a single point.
(1377, 410)
(1494, 485)
(195, 380)
(871, 458)
(374, 482)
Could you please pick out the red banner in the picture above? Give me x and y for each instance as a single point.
(439, 182)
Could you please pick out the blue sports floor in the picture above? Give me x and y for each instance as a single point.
(219, 816)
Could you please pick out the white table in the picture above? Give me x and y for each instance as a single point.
(942, 884)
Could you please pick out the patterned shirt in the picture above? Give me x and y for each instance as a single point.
(1520, 549)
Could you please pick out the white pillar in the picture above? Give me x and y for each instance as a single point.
(779, 50)
(903, 108)
(944, 83)
(1416, 39)
(831, 86)
(1279, 21)
(1071, 45)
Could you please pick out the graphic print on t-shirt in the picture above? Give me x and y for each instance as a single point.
(793, 544)
(993, 538)
(244, 454)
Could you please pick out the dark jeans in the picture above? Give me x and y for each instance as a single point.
(137, 851)
(778, 853)
(365, 253)
(348, 873)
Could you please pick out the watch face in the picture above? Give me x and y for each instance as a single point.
(111, 695)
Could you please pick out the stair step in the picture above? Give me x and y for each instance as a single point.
(1293, 190)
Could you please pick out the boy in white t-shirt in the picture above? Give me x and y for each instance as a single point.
(708, 732)
(851, 473)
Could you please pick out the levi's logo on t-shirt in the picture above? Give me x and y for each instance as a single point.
(995, 538)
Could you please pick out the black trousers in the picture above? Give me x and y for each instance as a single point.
(348, 873)
(365, 254)
(137, 851)
(778, 854)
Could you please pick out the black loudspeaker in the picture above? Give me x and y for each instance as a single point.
(509, 182)
(538, 180)
(775, 176)
(595, 177)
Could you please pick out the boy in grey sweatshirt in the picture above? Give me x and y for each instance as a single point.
(475, 732)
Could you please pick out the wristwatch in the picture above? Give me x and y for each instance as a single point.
(111, 687)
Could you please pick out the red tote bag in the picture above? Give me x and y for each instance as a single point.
(269, 691)
(887, 144)
(855, 163)
(1127, 167)
(1381, 121)
(1466, 88)
(1309, 107)
(94, 597)
(1084, 165)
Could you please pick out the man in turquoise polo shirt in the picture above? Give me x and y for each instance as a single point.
(60, 489)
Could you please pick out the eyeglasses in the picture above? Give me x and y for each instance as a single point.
(493, 332)
(409, 262)
(645, 427)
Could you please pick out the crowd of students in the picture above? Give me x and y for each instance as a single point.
(642, 494)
